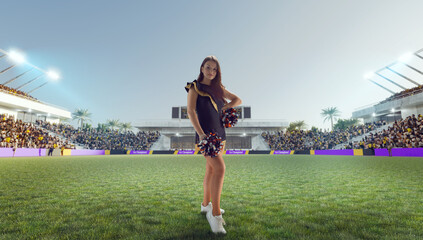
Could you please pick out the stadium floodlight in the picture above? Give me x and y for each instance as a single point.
(17, 57)
(53, 75)
(369, 75)
(406, 57)
(393, 110)
(29, 110)
(244, 134)
(177, 134)
(374, 114)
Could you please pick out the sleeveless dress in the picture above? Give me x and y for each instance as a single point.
(209, 110)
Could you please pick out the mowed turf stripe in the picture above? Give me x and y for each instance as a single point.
(158, 197)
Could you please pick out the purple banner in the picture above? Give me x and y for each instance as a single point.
(30, 152)
(186, 151)
(286, 152)
(340, 152)
(382, 152)
(401, 152)
(407, 152)
(140, 152)
(6, 152)
(22, 152)
(84, 152)
(235, 151)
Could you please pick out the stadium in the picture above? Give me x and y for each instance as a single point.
(63, 178)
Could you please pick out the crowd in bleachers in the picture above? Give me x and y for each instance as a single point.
(405, 93)
(93, 138)
(17, 134)
(15, 92)
(406, 133)
(316, 139)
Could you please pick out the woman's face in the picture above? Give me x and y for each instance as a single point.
(209, 70)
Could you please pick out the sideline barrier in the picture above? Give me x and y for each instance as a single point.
(141, 152)
(67, 152)
(6, 152)
(368, 152)
(358, 152)
(259, 152)
(85, 152)
(282, 152)
(236, 152)
(30, 152)
(163, 152)
(304, 152)
(400, 152)
(36, 152)
(186, 152)
(113, 152)
(340, 152)
(23, 152)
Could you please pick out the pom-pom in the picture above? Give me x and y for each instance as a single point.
(229, 118)
(211, 145)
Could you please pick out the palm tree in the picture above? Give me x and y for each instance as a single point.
(63, 120)
(296, 125)
(329, 113)
(126, 126)
(113, 123)
(343, 124)
(101, 127)
(300, 124)
(81, 115)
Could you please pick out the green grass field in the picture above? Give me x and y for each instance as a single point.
(159, 196)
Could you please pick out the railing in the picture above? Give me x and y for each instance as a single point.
(366, 106)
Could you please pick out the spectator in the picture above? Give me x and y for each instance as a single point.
(15, 92)
(316, 139)
(104, 139)
(17, 134)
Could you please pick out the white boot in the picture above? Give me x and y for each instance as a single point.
(216, 223)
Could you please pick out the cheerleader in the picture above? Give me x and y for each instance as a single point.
(205, 105)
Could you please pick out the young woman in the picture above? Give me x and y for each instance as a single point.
(205, 106)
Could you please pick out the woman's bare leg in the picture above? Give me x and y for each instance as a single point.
(207, 184)
(218, 173)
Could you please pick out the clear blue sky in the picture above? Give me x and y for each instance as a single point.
(130, 60)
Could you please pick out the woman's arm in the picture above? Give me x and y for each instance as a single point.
(191, 105)
(235, 100)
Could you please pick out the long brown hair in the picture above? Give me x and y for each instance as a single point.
(216, 84)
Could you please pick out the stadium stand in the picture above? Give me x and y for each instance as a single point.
(96, 139)
(405, 93)
(316, 139)
(17, 134)
(15, 92)
(406, 133)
